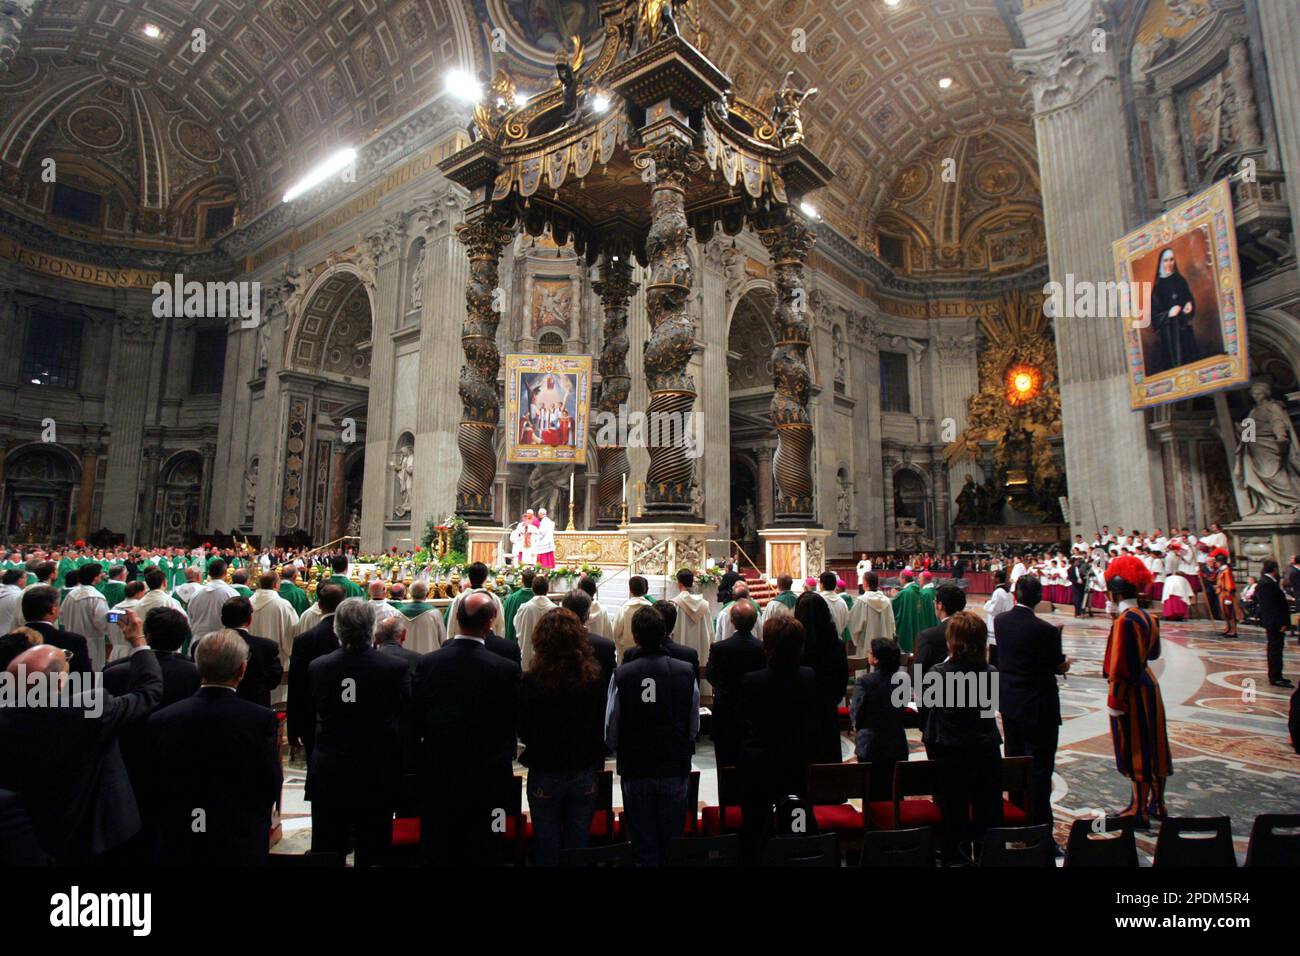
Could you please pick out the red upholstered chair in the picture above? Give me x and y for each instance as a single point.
(830, 788)
(406, 830)
(692, 825)
(912, 778)
(725, 818)
(602, 821)
(1015, 786)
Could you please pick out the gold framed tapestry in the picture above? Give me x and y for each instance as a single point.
(548, 403)
(1186, 334)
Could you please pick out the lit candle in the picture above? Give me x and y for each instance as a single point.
(625, 487)
(570, 489)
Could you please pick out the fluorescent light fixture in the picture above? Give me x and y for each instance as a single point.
(601, 103)
(336, 163)
(463, 86)
(809, 210)
(945, 82)
(151, 30)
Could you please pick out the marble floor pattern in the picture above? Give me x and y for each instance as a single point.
(1227, 728)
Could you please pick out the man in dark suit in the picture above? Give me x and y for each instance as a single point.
(465, 704)
(166, 629)
(678, 652)
(216, 769)
(502, 647)
(264, 671)
(310, 644)
(65, 759)
(1275, 617)
(579, 602)
(1029, 658)
(355, 771)
(390, 637)
(1078, 575)
(40, 611)
(729, 661)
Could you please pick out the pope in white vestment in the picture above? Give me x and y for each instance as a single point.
(526, 618)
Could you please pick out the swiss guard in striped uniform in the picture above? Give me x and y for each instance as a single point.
(1137, 711)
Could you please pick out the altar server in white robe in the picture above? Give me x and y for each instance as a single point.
(637, 587)
(871, 616)
(694, 627)
(599, 621)
(273, 617)
(529, 613)
(425, 631)
(119, 646)
(85, 611)
(864, 568)
(545, 539)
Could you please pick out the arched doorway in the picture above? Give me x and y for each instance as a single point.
(180, 499)
(750, 342)
(911, 500)
(322, 451)
(38, 493)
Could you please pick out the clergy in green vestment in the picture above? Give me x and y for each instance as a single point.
(339, 576)
(295, 595)
(848, 603)
(514, 600)
(113, 587)
(913, 612)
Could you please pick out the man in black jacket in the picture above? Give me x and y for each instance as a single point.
(465, 705)
(264, 671)
(390, 636)
(355, 772)
(65, 759)
(651, 721)
(932, 643)
(1078, 575)
(1275, 617)
(40, 611)
(307, 646)
(729, 661)
(216, 769)
(579, 602)
(678, 652)
(1029, 658)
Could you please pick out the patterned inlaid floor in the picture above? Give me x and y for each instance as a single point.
(1227, 728)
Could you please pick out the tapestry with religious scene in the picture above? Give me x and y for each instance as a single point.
(548, 399)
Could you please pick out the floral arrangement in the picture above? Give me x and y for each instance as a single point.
(709, 575)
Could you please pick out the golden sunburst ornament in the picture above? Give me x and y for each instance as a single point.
(1022, 383)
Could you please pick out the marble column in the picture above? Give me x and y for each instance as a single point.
(615, 289)
(384, 249)
(668, 351)
(1245, 112)
(1279, 25)
(209, 453)
(152, 460)
(788, 241)
(437, 417)
(712, 420)
(128, 401)
(1171, 145)
(338, 525)
(484, 239)
(765, 490)
(638, 330)
(1087, 198)
(86, 491)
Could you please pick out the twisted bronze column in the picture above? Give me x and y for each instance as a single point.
(615, 289)
(672, 333)
(788, 241)
(484, 238)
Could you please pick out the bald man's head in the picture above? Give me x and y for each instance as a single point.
(378, 590)
(41, 659)
(476, 613)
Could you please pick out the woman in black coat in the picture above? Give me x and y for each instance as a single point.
(880, 737)
(824, 652)
(961, 736)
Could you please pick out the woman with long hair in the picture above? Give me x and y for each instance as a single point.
(961, 736)
(1137, 710)
(562, 728)
(825, 653)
